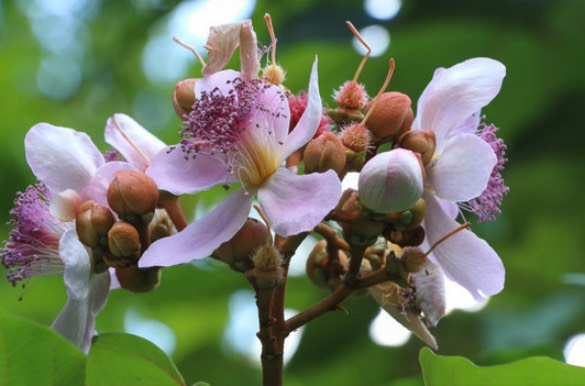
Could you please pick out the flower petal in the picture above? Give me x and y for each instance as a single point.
(455, 93)
(203, 236)
(462, 171)
(174, 172)
(61, 158)
(272, 112)
(97, 188)
(221, 45)
(77, 265)
(221, 80)
(98, 295)
(294, 203)
(310, 120)
(249, 60)
(133, 141)
(464, 257)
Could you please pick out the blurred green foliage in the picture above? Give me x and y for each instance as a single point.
(539, 236)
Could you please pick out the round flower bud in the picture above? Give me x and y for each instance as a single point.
(93, 222)
(323, 153)
(132, 193)
(184, 96)
(391, 181)
(351, 96)
(138, 279)
(392, 115)
(419, 141)
(238, 251)
(123, 240)
(355, 137)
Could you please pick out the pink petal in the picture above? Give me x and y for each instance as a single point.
(455, 93)
(221, 44)
(464, 257)
(310, 120)
(61, 158)
(294, 203)
(221, 80)
(133, 141)
(203, 236)
(249, 60)
(273, 114)
(174, 173)
(462, 171)
(97, 188)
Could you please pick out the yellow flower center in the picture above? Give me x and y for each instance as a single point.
(258, 157)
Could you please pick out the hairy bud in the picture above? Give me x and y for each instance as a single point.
(392, 115)
(391, 181)
(323, 153)
(184, 96)
(355, 137)
(132, 193)
(419, 141)
(351, 96)
(93, 222)
(274, 74)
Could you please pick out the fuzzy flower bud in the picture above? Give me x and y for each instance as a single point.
(123, 240)
(419, 141)
(392, 115)
(184, 96)
(355, 137)
(132, 193)
(93, 222)
(391, 181)
(351, 96)
(274, 74)
(323, 153)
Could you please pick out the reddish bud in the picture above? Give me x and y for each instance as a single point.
(93, 222)
(323, 153)
(351, 96)
(184, 96)
(132, 193)
(392, 115)
(355, 137)
(420, 141)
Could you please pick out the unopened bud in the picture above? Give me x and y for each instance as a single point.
(411, 218)
(351, 96)
(410, 238)
(267, 258)
(93, 222)
(138, 279)
(132, 193)
(238, 251)
(321, 270)
(184, 96)
(392, 115)
(355, 137)
(412, 259)
(124, 241)
(419, 141)
(391, 181)
(323, 153)
(274, 74)
(160, 226)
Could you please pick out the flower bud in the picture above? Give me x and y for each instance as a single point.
(267, 258)
(391, 181)
(138, 279)
(355, 137)
(411, 218)
(123, 240)
(322, 271)
(184, 96)
(323, 153)
(274, 74)
(93, 222)
(392, 115)
(419, 141)
(132, 193)
(237, 252)
(351, 96)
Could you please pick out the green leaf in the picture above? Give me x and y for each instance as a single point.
(454, 370)
(31, 354)
(124, 359)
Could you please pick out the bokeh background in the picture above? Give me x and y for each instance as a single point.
(75, 62)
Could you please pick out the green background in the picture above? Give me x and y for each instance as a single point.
(540, 235)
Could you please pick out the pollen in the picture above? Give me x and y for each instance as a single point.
(257, 159)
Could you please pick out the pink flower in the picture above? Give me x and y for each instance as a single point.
(461, 169)
(238, 132)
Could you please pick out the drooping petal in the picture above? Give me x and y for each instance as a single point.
(309, 122)
(61, 158)
(175, 173)
(99, 289)
(464, 257)
(294, 203)
(221, 44)
(203, 236)
(133, 141)
(97, 188)
(249, 60)
(463, 169)
(77, 265)
(455, 93)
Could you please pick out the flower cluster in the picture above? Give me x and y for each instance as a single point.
(96, 218)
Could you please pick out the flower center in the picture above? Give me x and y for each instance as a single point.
(257, 157)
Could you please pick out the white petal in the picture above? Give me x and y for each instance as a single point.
(463, 169)
(98, 295)
(77, 265)
(309, 122)
(221, 44)
(72, 320)
(133, 141)
(203, 236)
(455, 93)
(176, 173)
(294, 203)
(61, 158)
(464, 257)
